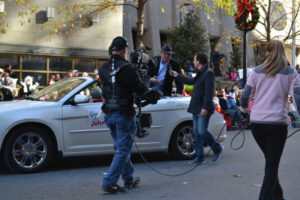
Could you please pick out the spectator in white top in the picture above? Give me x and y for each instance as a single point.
(85, 74)
(75, 73)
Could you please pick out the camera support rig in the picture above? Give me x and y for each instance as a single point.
(144, 120)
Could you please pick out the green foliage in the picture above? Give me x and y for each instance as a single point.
(189, 38)
(235, 56)
(210, 7)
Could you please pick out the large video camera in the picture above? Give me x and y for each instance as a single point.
(141, 60)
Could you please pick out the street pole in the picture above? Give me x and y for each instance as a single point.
(180, 17)
(180, 12)
(294, 38)
(245, 49)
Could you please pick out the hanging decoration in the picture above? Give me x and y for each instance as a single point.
(252, 12)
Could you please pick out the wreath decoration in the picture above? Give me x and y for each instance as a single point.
(251, 9)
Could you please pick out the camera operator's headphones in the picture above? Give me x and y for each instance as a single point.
(119, 43)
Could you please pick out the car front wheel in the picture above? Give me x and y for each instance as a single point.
(28, 149)
(182, 142)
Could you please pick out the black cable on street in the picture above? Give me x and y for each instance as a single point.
(293, 133)
(173, 175)
(242, 131)
(234, 137)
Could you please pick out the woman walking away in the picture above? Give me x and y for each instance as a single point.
(270, 84)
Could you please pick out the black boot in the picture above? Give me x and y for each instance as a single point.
(113, 189)
(132, 182)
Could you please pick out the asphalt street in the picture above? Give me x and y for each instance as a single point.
(236, 176)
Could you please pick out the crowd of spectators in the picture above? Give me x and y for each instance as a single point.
(228, 100)
(11, 88)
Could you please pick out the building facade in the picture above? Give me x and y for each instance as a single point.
(158, 23)
(26, 46)
(30, 52)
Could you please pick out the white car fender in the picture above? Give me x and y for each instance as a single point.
(14, 123)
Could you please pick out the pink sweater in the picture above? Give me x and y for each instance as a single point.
(234, 76)
(271, 95)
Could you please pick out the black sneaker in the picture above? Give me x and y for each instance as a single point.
(197, 161)
(113, 189)
(216, 156)
(132, 182)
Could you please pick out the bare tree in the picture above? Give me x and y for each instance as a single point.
(276, 18)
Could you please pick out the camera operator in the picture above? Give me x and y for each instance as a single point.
(120, 80)
(161, 79)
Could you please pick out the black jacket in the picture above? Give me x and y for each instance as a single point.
(203, 92)
(168, 82)
(128, 82)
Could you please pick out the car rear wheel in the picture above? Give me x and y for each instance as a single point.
(28, 149)
(182, 142)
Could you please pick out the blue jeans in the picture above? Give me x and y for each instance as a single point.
(235, 115)
(159, 86)
(122, 128)
(242, 83)
(201, 135)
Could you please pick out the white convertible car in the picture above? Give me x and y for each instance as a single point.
(63, 119)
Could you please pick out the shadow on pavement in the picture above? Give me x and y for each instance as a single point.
(96, 161)
(104, 160)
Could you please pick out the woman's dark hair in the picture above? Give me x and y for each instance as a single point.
(202, 58)
(7, 66)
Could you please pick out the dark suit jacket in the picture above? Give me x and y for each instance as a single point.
(203, 92)
(168, 82)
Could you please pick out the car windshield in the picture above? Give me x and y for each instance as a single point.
(57, 90)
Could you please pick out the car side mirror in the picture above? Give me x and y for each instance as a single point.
(79, 98)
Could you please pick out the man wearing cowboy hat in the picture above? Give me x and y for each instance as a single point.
(161, 79)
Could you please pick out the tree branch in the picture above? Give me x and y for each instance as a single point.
(292, 25)
(292, 36)
(262, 6)
(262, 23)
(264, 36)
(126, 4)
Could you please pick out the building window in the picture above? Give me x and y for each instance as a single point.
(85, 65)
(34, 63)
(42, 67)
(9, 60)
(60, 64)
(163, 38)
(134, 38)
(213, 43)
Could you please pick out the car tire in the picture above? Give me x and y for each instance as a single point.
(27, 150)
(182, 142)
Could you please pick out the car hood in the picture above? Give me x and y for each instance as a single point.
(23, 105)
